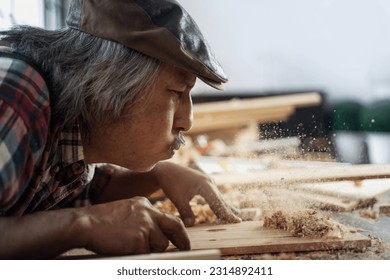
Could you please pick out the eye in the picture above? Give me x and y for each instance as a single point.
(177, 92)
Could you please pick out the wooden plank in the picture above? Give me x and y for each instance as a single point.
(296, 100)
(212, 122)
(305, 175)
(239, 112)
(252, 238)
(212, 254)
(211, 241)
(358, 190)
(339, 196)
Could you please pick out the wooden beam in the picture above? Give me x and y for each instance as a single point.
(295, 100)
(305, 175)
(239, 113)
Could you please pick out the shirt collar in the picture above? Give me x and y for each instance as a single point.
(70, 145)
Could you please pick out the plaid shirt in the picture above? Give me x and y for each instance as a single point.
(41, 165)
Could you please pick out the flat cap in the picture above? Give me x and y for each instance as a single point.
(161, 29)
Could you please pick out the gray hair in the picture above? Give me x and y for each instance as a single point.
(92, 79)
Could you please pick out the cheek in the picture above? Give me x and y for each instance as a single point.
(164, 114)
(158, 123)
(152, 123)
(163, 122)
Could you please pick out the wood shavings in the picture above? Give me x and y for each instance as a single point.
(384, 209)
(304, 223)
(166, 206)
(358, 183)
(368, 213)
(203, 213)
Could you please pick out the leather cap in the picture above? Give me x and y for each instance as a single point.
(161, 29)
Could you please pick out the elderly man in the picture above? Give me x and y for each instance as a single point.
(111, 88)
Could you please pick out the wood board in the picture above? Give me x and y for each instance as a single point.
(241, 239)
(212, 254)
(306, 99)
(252, 238)
(356, 190)
(305, 175)
(339, 196)
(236, 113)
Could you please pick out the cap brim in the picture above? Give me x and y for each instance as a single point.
(212, 83)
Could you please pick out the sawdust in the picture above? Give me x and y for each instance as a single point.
(251, 202)
(262, 197)
(303, 223)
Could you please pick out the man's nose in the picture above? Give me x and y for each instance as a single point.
(185, 116)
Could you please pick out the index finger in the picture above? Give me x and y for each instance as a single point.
(218, 205)
(175, 230)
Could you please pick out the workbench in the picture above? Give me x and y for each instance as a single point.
(347, 212)
(378, 230)
(375, 231)
(372, 235)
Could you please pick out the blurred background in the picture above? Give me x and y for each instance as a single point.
(340, 49)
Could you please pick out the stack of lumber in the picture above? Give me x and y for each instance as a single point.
(238, 113)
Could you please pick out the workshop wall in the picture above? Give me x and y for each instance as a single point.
(30, 12)
(341, 47)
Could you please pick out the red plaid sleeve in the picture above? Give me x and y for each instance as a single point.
(24, 124)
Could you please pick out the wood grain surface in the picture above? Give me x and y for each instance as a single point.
(252, 238)
(211, 241)
(305, 175)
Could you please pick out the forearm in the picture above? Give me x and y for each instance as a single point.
(41, 235)
(126, 184)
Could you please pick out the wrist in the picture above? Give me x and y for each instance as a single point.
(163, 167)
(158, 170)
(80, 223)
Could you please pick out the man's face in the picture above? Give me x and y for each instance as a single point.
(148, 132)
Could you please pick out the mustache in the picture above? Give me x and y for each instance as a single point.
(179, 141)
(181, 138)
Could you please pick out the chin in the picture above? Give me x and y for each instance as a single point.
(146, 166)
(144, 169)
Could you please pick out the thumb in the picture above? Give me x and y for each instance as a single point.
(174, 229)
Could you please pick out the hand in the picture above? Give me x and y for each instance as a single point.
(180, 184)
(131, 226)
